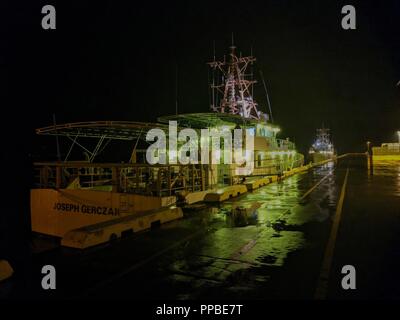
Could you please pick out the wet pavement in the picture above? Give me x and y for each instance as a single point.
(277, 255)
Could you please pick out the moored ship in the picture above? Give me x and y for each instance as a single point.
(71, 195)
(322, 148)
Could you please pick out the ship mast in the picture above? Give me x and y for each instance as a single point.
(235, 87)
(323, 141)
(323, 135)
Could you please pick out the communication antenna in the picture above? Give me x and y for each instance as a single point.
(213, 78)
(176, 89)
(267, 95)
(233, 90)
(252, 71)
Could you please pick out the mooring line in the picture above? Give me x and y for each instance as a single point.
(322, 285)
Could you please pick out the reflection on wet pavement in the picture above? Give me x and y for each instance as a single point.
(389, 171)
(229, 251)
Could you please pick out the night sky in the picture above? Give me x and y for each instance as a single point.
(117, 61)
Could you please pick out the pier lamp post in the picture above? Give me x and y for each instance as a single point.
(398, 134)
(368, 144)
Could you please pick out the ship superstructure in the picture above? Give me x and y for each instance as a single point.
(232, 104)
(322, 148)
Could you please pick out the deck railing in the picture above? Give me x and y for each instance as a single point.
(157, 180)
